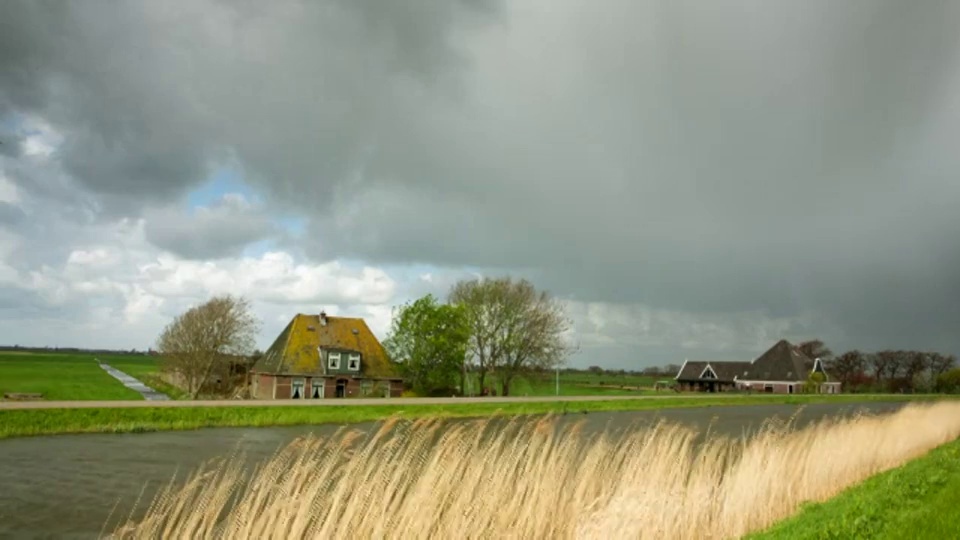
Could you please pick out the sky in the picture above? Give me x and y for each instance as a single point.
(694, 180)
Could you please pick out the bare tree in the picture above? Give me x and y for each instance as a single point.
(815, 349)
(514, 328)
(914, 364)
(940, 363)
(202, 339)
(879, 363)
(848, 367)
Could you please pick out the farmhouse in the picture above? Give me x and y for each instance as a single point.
(710, 376)
(782, 369)
(317, 356)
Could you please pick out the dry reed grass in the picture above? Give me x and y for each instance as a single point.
(532, 479)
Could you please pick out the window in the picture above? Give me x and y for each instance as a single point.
(768, 388)
(365, 388)
(316, 391)
(333, 360)
(353, 362)
(296, 390)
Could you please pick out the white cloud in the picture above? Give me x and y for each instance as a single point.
(8, 191)
(41, 139)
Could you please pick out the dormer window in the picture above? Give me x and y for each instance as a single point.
(353, 362)
(333, 360)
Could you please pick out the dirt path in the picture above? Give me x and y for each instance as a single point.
(310, 402)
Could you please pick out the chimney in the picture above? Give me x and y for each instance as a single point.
(323, 318)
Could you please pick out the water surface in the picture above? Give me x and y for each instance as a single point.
(66, 486)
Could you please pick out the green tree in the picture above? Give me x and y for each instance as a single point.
(513, 327)
(429, 340)
(949, 382)
(812, 386)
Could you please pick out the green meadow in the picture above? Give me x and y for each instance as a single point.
(572, 383)
(77, 376)
(61, 376)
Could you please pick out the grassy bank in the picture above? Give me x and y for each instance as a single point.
(125, 420)
(917, 500)
(528, 479)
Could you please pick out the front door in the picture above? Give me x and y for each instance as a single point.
(341, 388)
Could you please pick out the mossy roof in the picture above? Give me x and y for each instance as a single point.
(296, 349)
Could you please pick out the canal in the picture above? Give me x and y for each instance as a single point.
(70, 486)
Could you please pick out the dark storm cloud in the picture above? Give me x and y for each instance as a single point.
(778, 156)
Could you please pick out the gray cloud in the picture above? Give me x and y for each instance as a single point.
(220, 230)
(765, 156)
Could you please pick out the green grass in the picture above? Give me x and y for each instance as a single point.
(60, 376)
(68, 376)
(120, 420)
(918, 500)
(571, 384)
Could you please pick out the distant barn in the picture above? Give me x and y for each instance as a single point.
(318, 357)
(782, 369)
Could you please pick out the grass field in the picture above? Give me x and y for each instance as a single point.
(527, 479)
(69, 376)
(571, 384)
(918, 500)
(25, 422)
(60, 377)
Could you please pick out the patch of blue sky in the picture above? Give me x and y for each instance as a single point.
(224, 180)
(293, 225)
(260, 248)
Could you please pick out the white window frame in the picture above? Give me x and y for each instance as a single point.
(712, 372)
(317, 384)
(333, 360)
(298, 381)
(350, 359)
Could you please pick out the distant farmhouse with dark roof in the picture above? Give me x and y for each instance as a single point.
(782, 369)
(317, 357)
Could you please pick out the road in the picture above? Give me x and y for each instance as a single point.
(5, 405)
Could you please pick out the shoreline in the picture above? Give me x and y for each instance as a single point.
(145, 416)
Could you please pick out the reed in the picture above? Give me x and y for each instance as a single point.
(523, 478)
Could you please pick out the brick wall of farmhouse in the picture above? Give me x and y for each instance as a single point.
(283, 387)
(263, 386)
(352, 388)
(772, 388)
